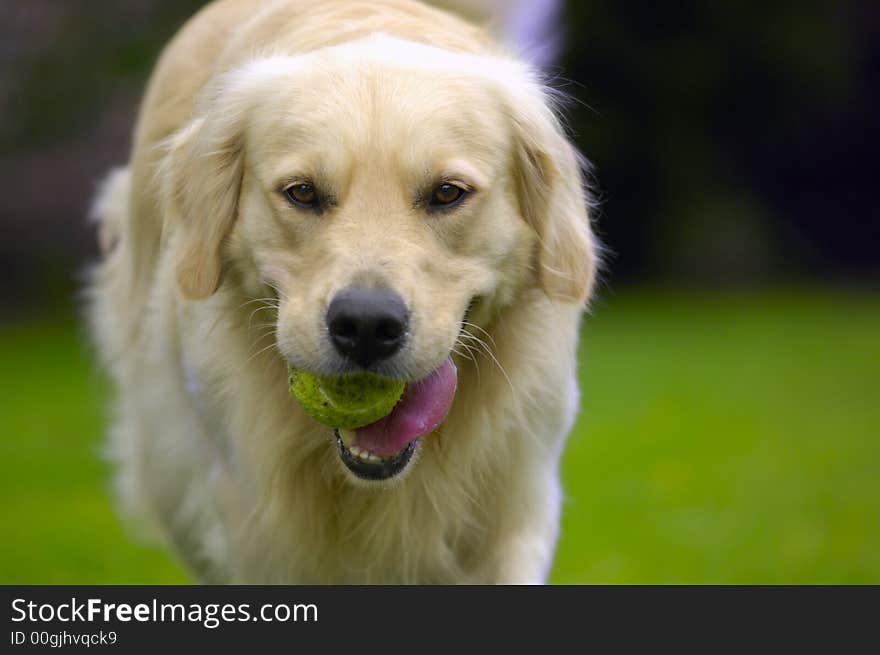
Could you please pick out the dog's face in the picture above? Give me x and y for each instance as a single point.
(387, 189)
(381, 189)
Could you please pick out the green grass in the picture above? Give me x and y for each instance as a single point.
(58, 522)
(723, 439)
(726, 440)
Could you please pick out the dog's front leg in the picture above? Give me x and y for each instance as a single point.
(526, 559)
(527, 539)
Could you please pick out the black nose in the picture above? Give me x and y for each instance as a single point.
(367, 325)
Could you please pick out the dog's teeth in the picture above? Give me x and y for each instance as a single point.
(362, 453)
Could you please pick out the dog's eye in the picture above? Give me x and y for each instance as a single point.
(446, 195)
(302, 194)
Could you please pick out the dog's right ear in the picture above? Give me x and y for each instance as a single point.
(200, 181)
(551, 193)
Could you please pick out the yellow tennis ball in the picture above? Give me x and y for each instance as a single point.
(347, 401)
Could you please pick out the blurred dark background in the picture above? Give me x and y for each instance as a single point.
(733, 143)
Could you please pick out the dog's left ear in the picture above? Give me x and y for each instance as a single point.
(200, 180)
(551, 194)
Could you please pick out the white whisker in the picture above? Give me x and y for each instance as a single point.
(471, 356)
(474, 325)
(262, 350)
(484, 347)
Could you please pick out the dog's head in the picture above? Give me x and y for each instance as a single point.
(381, 188)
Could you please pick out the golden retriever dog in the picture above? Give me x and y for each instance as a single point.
(343, 186)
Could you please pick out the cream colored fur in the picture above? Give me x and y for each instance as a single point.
(210, 281)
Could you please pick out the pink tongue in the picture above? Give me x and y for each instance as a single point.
(422, 408)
